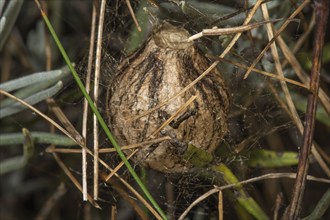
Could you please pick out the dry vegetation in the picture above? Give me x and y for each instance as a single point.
(271, 74)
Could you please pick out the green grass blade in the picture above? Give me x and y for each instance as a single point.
(272, 159)
(99, 117)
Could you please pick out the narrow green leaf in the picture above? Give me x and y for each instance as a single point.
(37, 137)
(272, 159)
(247, 202)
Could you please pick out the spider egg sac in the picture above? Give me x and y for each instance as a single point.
(154, 74)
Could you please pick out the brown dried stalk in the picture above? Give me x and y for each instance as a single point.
(322, 13)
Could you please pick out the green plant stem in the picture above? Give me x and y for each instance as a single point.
(98, 115)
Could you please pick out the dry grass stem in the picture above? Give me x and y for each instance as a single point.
(289, 56)
(96, 95)
(85, 108)
(170, 200)
(73, 179)
(63, 150)
(315, 148)
(220, 205)
(292, 108)
(113, 212)
(132, 146)
(168, 121)
(231, 30)
(277, 206)
(65, 121)
(78, 141)
(302, 39)
(109, 150)
(272, 75)
(322, 96)
(237, 35)
(280, 30)
(198, 200)
(119, 166)
(279, 100)
(285, 89)
(131, 11)
(128, 186)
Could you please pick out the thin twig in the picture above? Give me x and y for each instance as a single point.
(168, 121)
(132, 146)
(128, 3)
(43, 116)
(64, 120)
(272, 75)
(85, 111)
(113, 212)
(290, 103)
(322, 12)
(110, 150)
(220, 205)
(277, 206)
(286, 23)
(302, 39)
(231, 30)
(289, 56)
(73, 179)
(114, 171)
